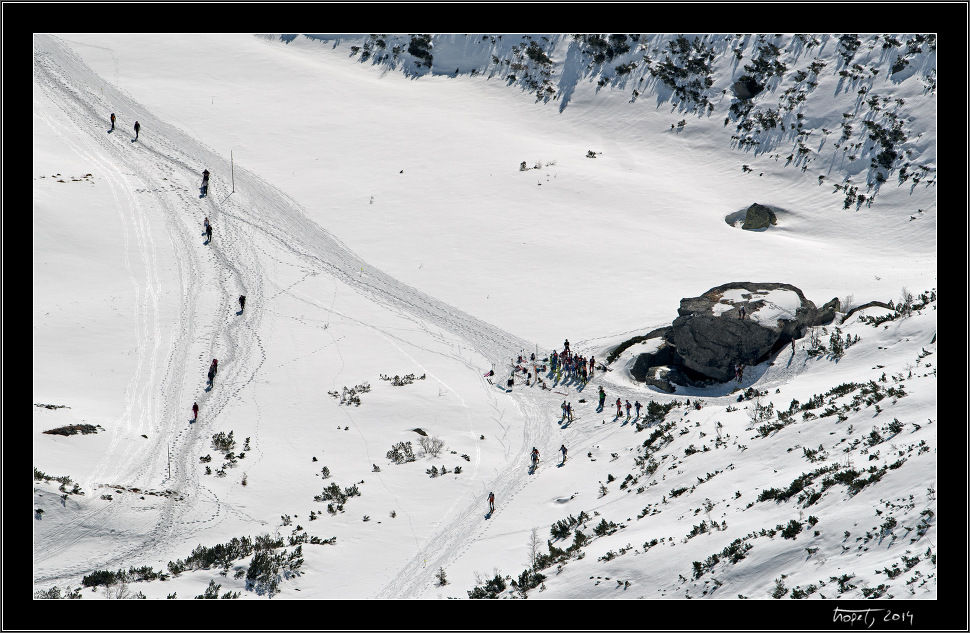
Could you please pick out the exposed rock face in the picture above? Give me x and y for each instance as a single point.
(871, 304)
(709, 338)
(662, 356)
(758, 216)
(746, 87)
(826, 314)
(713, 345)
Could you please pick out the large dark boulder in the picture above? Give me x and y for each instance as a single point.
(746, 87)
(758, 216)
(712, 345)
(708, 338)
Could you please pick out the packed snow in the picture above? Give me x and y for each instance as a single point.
(400, 230)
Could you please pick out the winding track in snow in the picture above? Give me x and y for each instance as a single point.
(167, 162)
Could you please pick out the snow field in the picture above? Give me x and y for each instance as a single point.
(353, 269)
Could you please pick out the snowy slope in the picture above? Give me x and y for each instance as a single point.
(378, 221)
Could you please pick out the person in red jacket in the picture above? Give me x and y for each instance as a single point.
(491, 502)
(618, 405)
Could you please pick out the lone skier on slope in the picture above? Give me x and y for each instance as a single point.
(195, 410)
(563, 449)
(242, 302)
(491, 502)
(112, 121)
(137, 128)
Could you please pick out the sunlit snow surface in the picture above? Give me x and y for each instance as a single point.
(380, 225)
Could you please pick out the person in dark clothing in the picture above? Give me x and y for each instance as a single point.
(491, 502)
(208, 232)
(112, 121)
(563, 449)
(205, 182)
(137, 128)
(242, 302)
(195, 410)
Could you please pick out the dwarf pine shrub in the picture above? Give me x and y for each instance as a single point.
(490, 589)
(401, 453)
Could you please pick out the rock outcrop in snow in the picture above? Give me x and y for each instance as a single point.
(710, 338)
